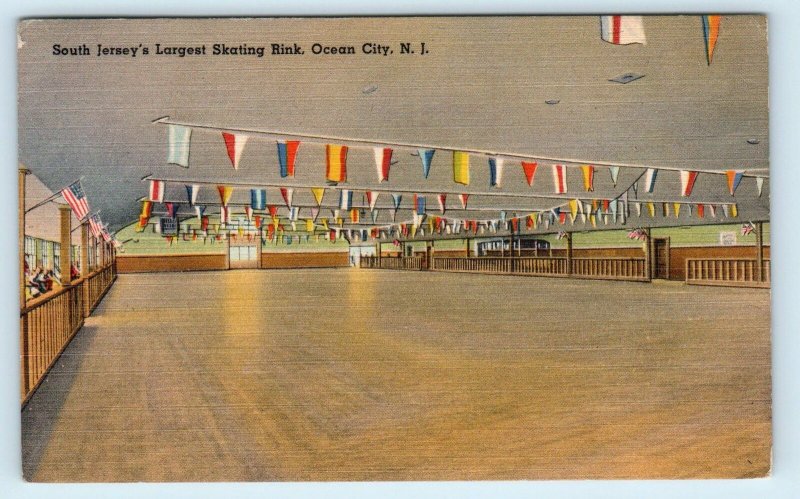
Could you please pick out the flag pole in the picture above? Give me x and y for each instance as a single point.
(52, 197)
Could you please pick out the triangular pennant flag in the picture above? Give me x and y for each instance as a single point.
(676, 208)
(613, 206)
(687, 182)
(701, 211)
(258, 199)
(225, 192)
(725, 210)
(319, 193)
(573, 209)
(178, 150)
(383, 160)
(287, 193)
(374, 214)
(287, 154)
(650, 179)
(734, 178)
(734, 211)
(234, 143)
(199, 210)
(651, 210)
(191, 193)
(464, 198)
(622, 30)
(614, 171)
(710, 34)
(314, 212)
(396, 199)
(442, 198)
(419, 204)
(588, 177)
(712, 210)
(760, 185)
(495, 172)
(248, 212)
(426, 155)
(309, 226)
(172, 209)
(156, 191)
(273, 210)
(560, 179)
(665, 209)
(461, 167)
(529, 168)
(336, 163)
(372, 198)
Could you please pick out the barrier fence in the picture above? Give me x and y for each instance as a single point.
(727, 272)
(48, 323)
(393, 263)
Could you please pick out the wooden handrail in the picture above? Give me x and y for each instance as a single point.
(41, 300)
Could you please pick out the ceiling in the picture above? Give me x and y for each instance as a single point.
(483, 85)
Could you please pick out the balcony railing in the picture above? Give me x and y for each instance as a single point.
(727, 272)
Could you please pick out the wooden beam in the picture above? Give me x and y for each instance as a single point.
(85, 268)
(66, 244)
(760, 252)
(648, 254)
(569, 253)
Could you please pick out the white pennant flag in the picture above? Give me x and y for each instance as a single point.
(234, 144)
(760, 184)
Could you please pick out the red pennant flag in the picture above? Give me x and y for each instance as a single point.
(258, 221)
(464, 198)
(701, 211)
(273, 210)
(530, 170)
(234, 143)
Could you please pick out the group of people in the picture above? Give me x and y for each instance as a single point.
(40, 280)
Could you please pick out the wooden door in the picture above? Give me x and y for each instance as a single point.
(661, 258)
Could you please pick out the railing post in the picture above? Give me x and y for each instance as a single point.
(760, 252)
(85, 268)
(66, 244)
(569, 253)
(378, 253)
(648, 255)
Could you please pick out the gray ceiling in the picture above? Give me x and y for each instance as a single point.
(483, 85)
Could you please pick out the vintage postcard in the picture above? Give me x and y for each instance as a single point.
(402, 248)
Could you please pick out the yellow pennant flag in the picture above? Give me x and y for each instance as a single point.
(651, 210)
(319, 193)
(325, 223)
(734, 211)
(414, 230)
(676, 207)
(340, 222)
(588, 177)
(225, 192)
(309, 226)
(573, 209)
(461, 167)
(593, 219)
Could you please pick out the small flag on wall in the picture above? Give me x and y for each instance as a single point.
(287, 193)
(156, 193)
(318, 193)
(622, 30)
(273, 210)
(372, 198)
(419, 204)
(336, 167)
(759, 185)
(710, 34)
(172, 209)
(258, 199)
(614, 171)
(461, 167)
(383, 160)
(701, 211)
(529, 168)
(199, 210)
(287, 153)
(144, 215)
(191, 193)
(442, 198)
(234, 143)
(396, 200)
(560, 179)
(224, 215)
(650, 179)
(225, 192)
(687, 182)
(426, 155)
(463, 198)
(588, 177)
(734, 178)
(248, 212)
(495, 171)
(178, 150)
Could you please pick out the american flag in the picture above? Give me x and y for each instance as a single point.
(76, 199)
(639, 234)
(561, 235)
(748, 229)
(95, 225)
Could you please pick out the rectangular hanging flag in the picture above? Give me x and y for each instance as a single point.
(95, 225)
(529, 168)
(234, 145)
(588, 177)
(178, 150)
(287, 153)
(687, 182)
(258, 199)
(156, 192)
(461, 167)
(191, 193)
(383, 160)
(650, 179)
(225, 192)
(355, 215)
(419, 204)
(336, 166)
(345, 199)
(622, 30)
(495, 172)
(560, 179)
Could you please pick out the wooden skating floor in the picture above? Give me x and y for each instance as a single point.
(392, 375)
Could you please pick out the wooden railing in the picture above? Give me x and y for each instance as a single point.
(498, 265)
(48, 323)
(617, 268)
(727, 272)
(393, 263)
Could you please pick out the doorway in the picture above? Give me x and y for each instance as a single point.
(661, 258)
(243, 254)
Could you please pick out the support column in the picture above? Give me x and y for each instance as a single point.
(429, 254)
(469, 249)
(648, 255)
(378, 254)
(760, 252)
(22, 284)
(569, 253)
(85, 267)
(260, 243)
(66, 255)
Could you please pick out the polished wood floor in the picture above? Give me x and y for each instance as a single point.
(390, 375)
